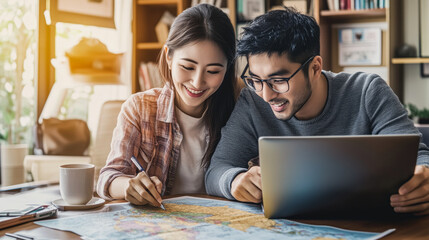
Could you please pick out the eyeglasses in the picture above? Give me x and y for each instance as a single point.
(277, 84)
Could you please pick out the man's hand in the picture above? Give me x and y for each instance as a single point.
(413, 196)
(142, 189)
(247, 186)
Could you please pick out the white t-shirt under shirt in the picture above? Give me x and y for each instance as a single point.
(190, 174)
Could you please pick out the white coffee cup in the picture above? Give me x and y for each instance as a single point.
(77, 183)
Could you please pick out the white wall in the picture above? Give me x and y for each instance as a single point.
(416, 88)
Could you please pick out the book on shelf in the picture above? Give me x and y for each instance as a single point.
(161, 30)
(336, 5)
(154, 75)
(144, 79)
(311, 8)
(343, 4)
(331, 5)
(163, 26)
(149, 76)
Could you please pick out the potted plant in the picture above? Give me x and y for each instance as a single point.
(17, 70)
(422, 115)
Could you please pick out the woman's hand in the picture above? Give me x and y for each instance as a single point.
(142, 190)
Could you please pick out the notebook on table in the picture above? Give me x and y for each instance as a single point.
(326, 176)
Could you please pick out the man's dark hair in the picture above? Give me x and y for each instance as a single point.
(282, 31)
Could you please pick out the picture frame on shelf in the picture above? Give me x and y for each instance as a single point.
(359, 46)
(98, 13)
(425, 70)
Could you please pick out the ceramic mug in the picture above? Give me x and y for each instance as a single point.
(77, 183)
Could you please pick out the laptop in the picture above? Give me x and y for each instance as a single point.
(327, 176)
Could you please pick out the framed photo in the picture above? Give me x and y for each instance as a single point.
(359, 46)
(253, 8)
(425, 70)
(87, 12)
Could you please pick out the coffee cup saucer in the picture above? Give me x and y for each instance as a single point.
(93, 203)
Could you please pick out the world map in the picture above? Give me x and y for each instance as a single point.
(195, 218)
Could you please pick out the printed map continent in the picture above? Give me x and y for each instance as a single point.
(178, 215)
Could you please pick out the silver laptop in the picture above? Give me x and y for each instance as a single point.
(327, 176)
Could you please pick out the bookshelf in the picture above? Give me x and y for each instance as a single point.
(388, 19)
(146, 14)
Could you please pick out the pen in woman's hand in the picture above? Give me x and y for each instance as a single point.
(140, 168)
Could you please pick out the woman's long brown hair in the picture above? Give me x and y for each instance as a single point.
(199, 23)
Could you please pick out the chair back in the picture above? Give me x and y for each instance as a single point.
(107, 122)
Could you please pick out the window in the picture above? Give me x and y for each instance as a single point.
(17, 69)
(84, 101)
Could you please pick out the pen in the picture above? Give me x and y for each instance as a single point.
(141, 169)
(28, 211)
(35, 209)
(19, 236)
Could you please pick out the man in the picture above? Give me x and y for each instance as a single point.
(289, 94)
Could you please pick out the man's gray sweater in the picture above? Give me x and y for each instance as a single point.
(357, 104)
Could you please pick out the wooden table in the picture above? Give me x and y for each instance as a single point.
(406, 227)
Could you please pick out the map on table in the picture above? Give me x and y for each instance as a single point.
(196, 218)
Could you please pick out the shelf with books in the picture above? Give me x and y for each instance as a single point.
(409, 60)
(388, 20)
(146, 43)
(336, 5)
(379, 12)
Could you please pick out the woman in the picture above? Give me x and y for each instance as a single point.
(173, 131)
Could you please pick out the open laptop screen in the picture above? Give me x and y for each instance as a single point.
(330, 175)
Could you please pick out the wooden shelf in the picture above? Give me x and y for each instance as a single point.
(149, 45)
(409, 60)
(389, 20)
(156, 2)
(381, 12)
